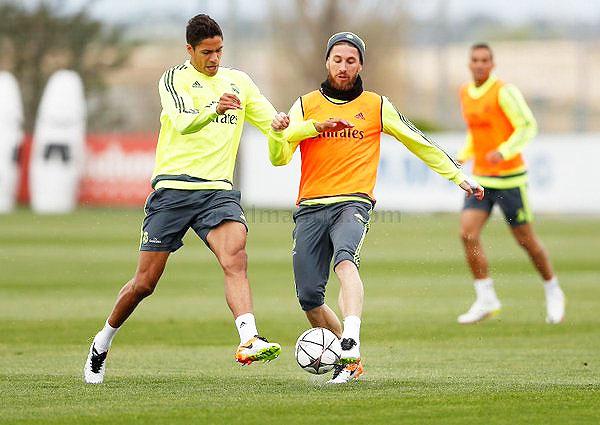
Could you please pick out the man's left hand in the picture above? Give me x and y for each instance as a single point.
(495, 157)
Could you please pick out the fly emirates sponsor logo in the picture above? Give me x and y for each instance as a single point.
(348, 133)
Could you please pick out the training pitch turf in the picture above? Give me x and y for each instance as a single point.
(173, 361)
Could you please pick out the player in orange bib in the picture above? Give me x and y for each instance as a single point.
(499, 124)
(338, 130)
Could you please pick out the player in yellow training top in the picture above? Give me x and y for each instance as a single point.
(499, 124)
(339, 167)
(204, 109)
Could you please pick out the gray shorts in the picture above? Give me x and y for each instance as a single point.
(513, 202)
(322, 233)
(171, 212)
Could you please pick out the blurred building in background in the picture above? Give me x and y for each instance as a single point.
(417, 55)
(417, 52)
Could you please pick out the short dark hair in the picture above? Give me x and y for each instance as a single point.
(201, 27)
(483, 46)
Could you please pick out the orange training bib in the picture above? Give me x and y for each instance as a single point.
(342, 163)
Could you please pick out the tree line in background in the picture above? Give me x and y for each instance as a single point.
(37, 41)
(286, 45)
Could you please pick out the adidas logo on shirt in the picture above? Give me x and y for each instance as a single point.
(360, 116)
(197, 85)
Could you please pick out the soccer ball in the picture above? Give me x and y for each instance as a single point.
(318, 350)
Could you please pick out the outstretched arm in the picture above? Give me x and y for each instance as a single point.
(259, 111)
(287, 131)
(397, 125)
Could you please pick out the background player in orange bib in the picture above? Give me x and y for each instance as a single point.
(499, 124)
(335, 199)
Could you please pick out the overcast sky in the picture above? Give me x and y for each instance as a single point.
(514, 11)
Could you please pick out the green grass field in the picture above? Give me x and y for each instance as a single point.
(173, 361)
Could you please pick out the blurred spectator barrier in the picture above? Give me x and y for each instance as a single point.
(116, 169)
(563, 173)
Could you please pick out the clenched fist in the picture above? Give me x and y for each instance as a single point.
(228, 101)
(280, 122)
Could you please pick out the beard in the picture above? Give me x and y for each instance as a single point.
(341, 86)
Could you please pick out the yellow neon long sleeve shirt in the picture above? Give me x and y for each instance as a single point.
(197, 148)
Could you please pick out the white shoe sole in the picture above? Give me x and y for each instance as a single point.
(488, 315)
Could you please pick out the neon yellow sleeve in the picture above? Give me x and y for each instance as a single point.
(178, 104)
(397, 125)
(259, 111)
(518, 113)
(466, 153)
(283, 144)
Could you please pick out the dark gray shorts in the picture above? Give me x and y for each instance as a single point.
(171, 212)
(513, 202)
(322, 233)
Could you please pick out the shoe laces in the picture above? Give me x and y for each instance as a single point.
(97, 360)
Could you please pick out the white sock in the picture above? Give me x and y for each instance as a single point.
(103, 339)
(484, 288)
(551, 284)
(352, 328)
(246, 326)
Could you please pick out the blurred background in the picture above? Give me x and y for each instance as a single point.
(417, 53)
(86, 80)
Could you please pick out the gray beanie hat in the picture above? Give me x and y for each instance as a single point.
(348, 37)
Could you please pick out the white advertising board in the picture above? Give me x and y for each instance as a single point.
(11, 135)
(58, 145)
(563, 172)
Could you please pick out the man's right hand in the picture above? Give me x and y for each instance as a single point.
(333, 125)
(280, 122)
(473, 189)
(228, 101)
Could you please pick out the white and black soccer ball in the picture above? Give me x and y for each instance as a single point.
(318, 350)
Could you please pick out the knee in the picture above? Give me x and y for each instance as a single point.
(234, 263)
(345, 267)
(314, 314)
(469, 235)
(143, 288)
(144, 284)
(310, 297)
